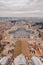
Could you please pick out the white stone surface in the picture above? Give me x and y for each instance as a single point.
(36, 61)
(19, 60)
(4, 60)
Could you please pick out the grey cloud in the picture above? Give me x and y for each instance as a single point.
(22, 5)
(13, 4)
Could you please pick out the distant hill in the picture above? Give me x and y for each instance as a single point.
(28, 20)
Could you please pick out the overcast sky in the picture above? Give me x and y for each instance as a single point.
(21, 7)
